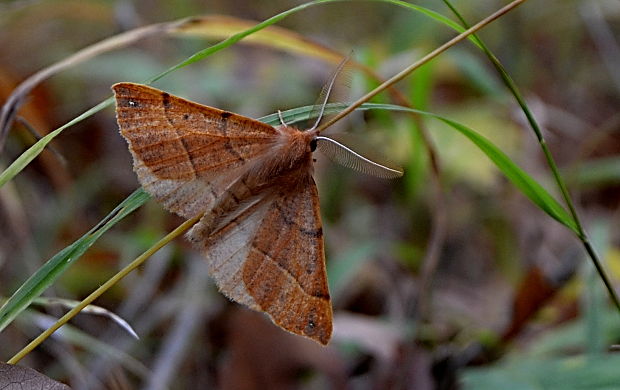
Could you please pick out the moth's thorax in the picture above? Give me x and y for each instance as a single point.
(294, 141)
(290, 152)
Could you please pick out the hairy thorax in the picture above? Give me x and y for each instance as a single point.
(290, 153)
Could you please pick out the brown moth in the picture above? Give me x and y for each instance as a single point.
(252, 183)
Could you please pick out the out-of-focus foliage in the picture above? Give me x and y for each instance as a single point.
(512, 301)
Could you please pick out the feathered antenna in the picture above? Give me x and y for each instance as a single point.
(336, 149)
(370, 163)
(326, 90)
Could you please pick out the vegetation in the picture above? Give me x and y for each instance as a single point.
(490, 264)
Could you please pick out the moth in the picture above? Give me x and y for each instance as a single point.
(260, 229)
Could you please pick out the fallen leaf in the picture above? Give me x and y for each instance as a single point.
(14, 377)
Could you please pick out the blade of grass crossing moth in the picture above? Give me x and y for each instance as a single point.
(54, 267)
(524, 182)
(300, 114)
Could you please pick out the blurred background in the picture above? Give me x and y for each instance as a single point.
(446, 278)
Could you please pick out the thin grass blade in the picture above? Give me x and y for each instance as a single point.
(524, 182)
(90, 309)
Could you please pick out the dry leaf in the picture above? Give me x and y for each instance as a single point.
(14, 377)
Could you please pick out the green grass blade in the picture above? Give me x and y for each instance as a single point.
(239, 36)
(54, 267)
(524, 182)
(514, 90)
(437, 17)
(300, 114)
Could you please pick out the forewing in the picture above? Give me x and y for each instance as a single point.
(284, 271)
(185, 153)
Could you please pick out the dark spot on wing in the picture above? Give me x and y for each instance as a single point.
(320, 294)
(235, 198)
(285, 213)
(311, 324)
(288, 218)
(226, 115)
(318, 233)
(165, 97)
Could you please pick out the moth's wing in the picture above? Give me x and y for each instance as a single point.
(267, 253)
(284, 272)
(185, 153)
(179, 139)
(226, 238)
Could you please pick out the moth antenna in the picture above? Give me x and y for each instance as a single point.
(330, 85)
(344, 155)
(281, 118)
